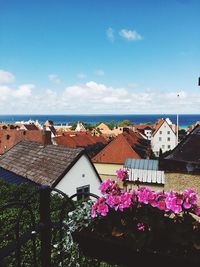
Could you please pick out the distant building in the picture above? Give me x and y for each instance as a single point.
(67, 169)
(52, 130)
(163, 137)
(48, 123)
(29, 127)
(144, 129)
(9, 138)
(92, 144)
(80, 127)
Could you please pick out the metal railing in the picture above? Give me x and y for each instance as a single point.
(41, 230)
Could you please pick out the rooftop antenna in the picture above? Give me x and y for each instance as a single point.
(177, 122)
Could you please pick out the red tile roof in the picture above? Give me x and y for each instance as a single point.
(125, 145)
(8, 138)
(82, 139)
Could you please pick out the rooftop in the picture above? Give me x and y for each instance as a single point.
(40, 164)
(123, 146)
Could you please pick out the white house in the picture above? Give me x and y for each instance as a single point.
(80, 127)
(144, 129)
(67, 169)
(163, 137)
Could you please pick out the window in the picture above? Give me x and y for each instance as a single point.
(81, 190)
(160, 132)
(168, 138)
(168, 146)
(168, 132)
(7, 136)
(163, 146)
(160, 138)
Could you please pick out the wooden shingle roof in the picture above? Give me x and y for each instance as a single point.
(41, 164)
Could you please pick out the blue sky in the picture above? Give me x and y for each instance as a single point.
(86, 56)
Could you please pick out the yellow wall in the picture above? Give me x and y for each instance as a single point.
(108, 171)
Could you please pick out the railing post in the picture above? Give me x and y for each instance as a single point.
(45, 222)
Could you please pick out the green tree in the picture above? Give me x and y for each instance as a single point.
(124, 123)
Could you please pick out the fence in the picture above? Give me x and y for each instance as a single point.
(41, 230)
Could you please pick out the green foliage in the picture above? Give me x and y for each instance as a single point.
(123, 123)
(78, 218)
(88, 126)
(111, 124)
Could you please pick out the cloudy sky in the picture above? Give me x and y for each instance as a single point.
(93, 57)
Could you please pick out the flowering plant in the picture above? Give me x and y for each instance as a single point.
(161, 221)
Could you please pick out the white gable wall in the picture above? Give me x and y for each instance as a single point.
(81, 174)
(160, 139)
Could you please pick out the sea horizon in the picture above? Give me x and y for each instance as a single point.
(59, 119)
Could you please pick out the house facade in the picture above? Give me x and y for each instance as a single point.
(144, 129)
(67, 169)
(163, 137)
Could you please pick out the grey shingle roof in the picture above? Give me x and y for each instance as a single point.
(143, 164)
(41, 164)
(188, 150)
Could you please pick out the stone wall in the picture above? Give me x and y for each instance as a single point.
(181, 181)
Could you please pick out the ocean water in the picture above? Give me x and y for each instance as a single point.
(184, 119)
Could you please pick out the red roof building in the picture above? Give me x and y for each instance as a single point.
(9, 138)
(126, 145)
(92, 144)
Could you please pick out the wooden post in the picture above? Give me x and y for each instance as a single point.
(45, 222)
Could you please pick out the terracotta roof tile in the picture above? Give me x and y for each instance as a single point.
(121, 148)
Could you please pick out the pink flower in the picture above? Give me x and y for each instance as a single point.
(119, 202)
(109, 186)
(187, 205)
(174, 201)
(145, 195)
(122, 175)
(100, 207)
(161, 205)
(141, 227)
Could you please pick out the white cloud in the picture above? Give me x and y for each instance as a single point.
(6, 77)
(10, 94)
(23, 90)
(130, 35)
(95, 98)
(54, 78)
(4, 92)
(110, 34)
(99, 72)
(81, 76)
